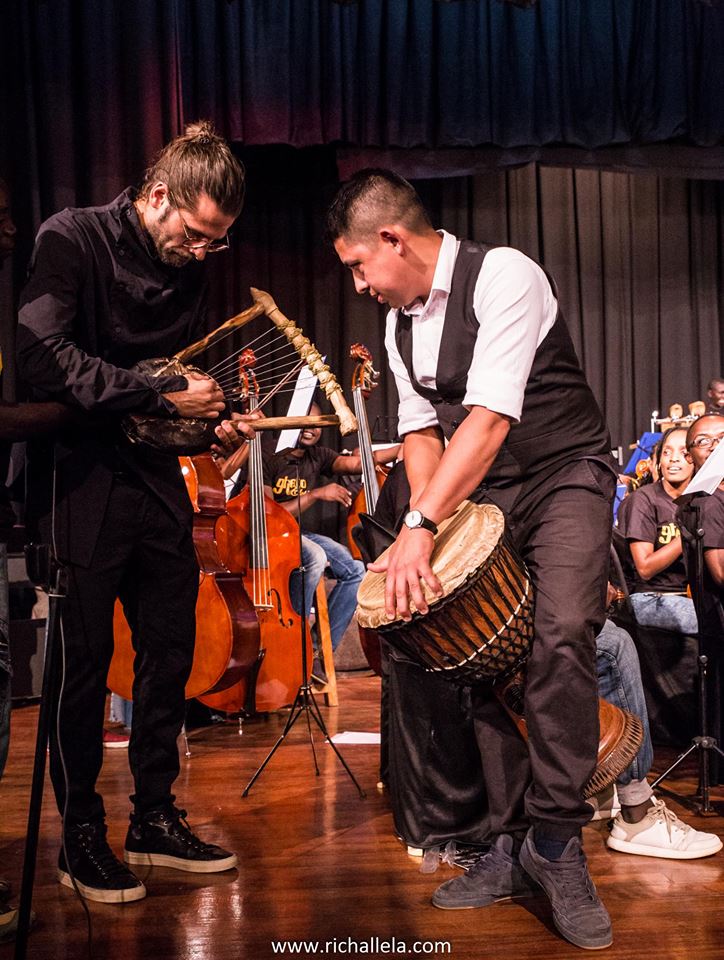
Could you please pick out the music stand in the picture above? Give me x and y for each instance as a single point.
(304, 702)
(693, 533)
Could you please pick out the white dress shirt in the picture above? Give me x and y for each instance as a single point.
(515, 307)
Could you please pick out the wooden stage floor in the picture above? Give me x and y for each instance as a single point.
(318, 864)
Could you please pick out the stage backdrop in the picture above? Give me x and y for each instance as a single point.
(456, 95)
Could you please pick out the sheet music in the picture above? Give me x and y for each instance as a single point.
(298, 407)
(710, 476)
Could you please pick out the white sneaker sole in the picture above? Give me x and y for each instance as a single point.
(646, 850)
(179, 863)
(103, 896)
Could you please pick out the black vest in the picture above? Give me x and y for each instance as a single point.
(560, 421)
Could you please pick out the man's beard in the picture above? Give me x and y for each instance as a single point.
(170, 257)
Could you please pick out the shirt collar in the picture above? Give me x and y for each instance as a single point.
(442, 278)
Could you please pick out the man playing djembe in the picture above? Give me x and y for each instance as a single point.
(494, 406)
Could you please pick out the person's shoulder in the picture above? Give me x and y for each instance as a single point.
(648, 492)
(641, 494)
(714, 504)
(325, 454)
(641, 500)
(510, 264)
(73, 221)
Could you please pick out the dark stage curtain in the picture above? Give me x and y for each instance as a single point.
(90, 90)
(384, 73)
(638, 261)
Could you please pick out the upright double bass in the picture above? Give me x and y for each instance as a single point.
(364, 380)
(261, 540)
(227, 628)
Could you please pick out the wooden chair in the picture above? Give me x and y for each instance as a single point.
(329, 689)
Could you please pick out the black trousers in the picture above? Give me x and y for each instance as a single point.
(562, 531)
(145, 557)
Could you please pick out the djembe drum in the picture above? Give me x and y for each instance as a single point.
(481, 628)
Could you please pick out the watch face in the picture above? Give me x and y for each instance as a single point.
(413, 518)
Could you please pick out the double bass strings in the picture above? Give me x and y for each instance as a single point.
(261, 579)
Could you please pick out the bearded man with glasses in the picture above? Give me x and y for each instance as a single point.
(110, 286)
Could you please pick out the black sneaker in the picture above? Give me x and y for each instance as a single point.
(162, 838)
(497, 875)
(578, 913)
(100, 875)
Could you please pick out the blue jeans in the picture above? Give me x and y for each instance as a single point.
(318, 553)
(4, 659)
(619, 682)
(121, 711)
(667, 611)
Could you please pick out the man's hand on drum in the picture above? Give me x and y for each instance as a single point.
(407, 566)
(202, 397)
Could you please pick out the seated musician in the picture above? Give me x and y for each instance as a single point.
(647, 519)
(644, 825)
(702, 439)
(294, 478)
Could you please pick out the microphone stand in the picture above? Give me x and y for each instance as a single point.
(304, 702)
(42, 570)
(703, 743)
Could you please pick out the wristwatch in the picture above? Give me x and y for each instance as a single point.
(415, 519)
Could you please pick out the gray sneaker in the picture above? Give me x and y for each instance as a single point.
(495, 876)
(578, 913)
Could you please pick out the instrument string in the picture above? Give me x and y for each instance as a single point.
(270, 376)
(268, 333)
(261, 577)
(258, 343)
(269, 364)
(369, 473)
(232, 365)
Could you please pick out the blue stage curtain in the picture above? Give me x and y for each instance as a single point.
(392, 73)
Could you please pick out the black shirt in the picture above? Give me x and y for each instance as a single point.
(280, 471)
(648, 515)
(712, 520)
(98, 300)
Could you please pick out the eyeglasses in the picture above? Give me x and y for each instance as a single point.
(199, 243)
(704, 442)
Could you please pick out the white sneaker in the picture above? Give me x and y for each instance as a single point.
(605, 804)
(662, 834)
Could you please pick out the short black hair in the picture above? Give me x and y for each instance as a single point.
(369, 199)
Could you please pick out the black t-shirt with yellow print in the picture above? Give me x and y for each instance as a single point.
(280, 471)
(650, 517)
